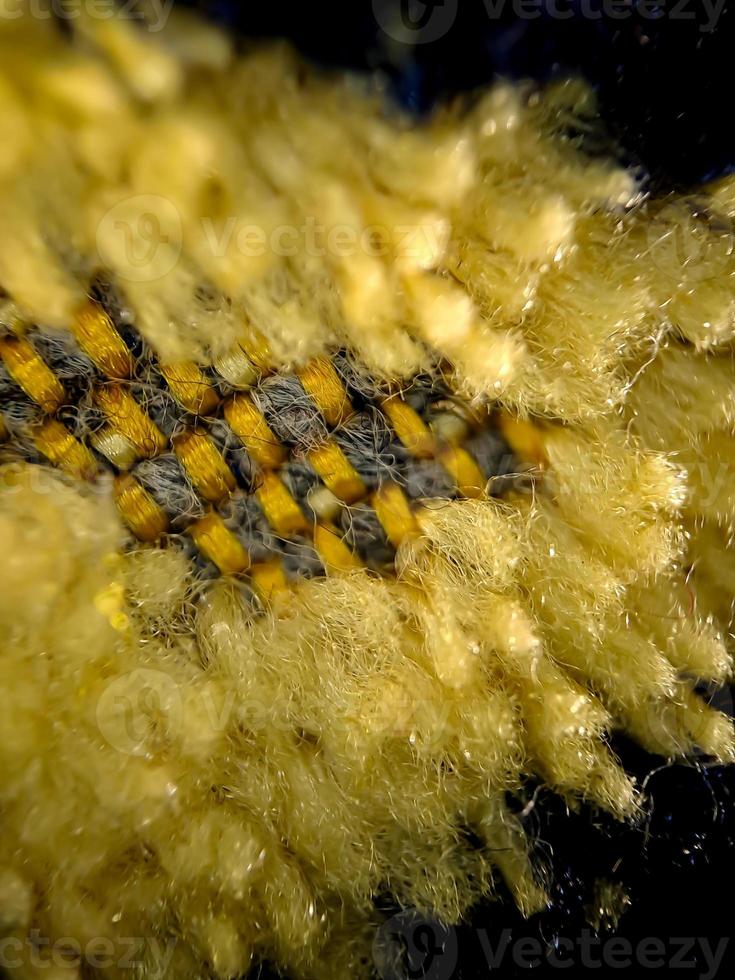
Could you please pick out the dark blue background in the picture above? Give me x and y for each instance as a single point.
(666, 83)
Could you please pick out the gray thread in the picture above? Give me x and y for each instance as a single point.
(426, 478)
(423, 392)
(18, 410)
(288, 410)
(300, 559)
(494, 457)
(365, 535)
(357, 381)
(242, 465)
(165, 478)
(112, 302)
(60, 350)
(154, 397)
(301, 479)
(369, 444)
(244, 516)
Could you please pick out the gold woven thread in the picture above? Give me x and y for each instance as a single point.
(127, 417)
(236, 368)
(115, 447)
(394, 513)
(131, 434)
(100, 341)
(466, 475)
(269, 578)
(219, 544)
(207, 470)
(59, 446)
(257, 349)
(410, 428)
(190, 387)
(323, 385)
(421, 442)
(31, 373)
(334, 553)
(250, 426)
(337, 472)
(524, 438)
(139, 510)
(281, 510)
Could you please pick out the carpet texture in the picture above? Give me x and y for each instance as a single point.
(354, 470)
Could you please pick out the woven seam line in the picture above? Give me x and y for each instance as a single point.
(222, 457)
